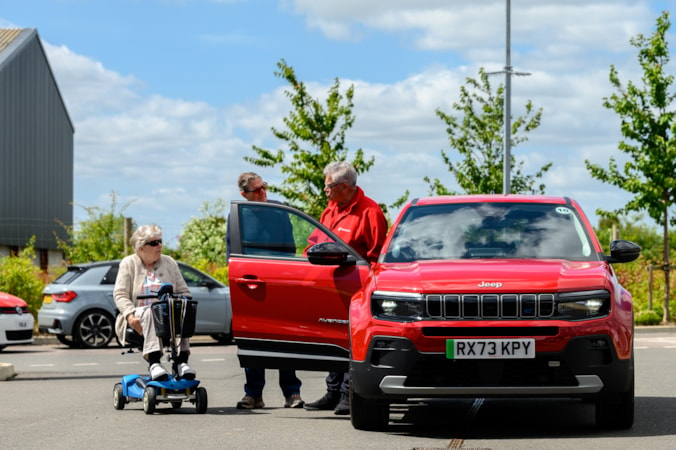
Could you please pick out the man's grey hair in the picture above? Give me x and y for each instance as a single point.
(244, 180)
(341, 172)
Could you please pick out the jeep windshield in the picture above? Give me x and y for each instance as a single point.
(490, 230)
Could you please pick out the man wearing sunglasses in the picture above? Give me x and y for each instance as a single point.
(278, 230)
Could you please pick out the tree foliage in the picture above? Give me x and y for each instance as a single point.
(203, 239)
(648, 126)
(314, 137)
(100, 237)
(20, 276)
(477, 134)
(632, 229)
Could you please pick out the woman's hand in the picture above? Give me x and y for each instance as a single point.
(135, 323)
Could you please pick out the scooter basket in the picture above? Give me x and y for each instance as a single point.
(183, 316)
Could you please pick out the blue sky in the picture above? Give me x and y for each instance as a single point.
(167, 96)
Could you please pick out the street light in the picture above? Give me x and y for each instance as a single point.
(508, 71)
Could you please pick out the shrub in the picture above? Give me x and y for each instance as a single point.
(647, 317)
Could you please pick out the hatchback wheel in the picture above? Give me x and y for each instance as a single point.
(65, 340)
(94, 329)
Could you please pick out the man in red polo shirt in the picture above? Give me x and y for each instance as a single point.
(360, 222)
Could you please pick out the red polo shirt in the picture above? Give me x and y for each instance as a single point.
(361, 223)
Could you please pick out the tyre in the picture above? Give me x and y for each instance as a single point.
(119, 400)
(368, 415)
(222, 338)
(94, 329)
(201, 400)
(65, 340)
(149, 400)
(616, 411)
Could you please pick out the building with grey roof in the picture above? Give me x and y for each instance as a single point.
(36, 150)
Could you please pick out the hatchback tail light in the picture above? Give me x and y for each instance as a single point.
(64, 297)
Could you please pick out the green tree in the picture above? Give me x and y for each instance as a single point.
(315, 137)
(20, 276)
(478, 137)
(632, 229)
(648, 128)
(203, 239)
(98, 238)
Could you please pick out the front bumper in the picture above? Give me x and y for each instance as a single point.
(16, 329)
(587, 367)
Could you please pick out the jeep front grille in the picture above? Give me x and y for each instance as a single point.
(489, 306)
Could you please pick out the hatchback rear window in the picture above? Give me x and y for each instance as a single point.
(71, 274)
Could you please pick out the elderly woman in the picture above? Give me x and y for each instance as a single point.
(142, 273)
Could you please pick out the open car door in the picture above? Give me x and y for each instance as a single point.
(288, 312)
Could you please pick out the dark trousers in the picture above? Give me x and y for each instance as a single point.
(338, 383)
(255, 382)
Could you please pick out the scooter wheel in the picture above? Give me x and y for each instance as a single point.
(119, 400)
(149, 400)
(201, 400)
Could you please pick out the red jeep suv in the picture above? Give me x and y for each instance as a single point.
(472, 296)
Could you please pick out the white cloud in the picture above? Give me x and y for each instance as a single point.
(167, 156)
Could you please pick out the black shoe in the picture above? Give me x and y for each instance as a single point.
(326, 403)
(343, 406)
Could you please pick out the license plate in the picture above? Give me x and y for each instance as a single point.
(490, 348)
(46, 299)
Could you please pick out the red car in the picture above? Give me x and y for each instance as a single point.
(472, 296)
(16, 321)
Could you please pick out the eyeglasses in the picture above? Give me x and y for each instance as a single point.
(258, 189)
(154, 243)
(328, 187)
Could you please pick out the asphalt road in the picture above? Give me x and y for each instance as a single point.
(62, 398)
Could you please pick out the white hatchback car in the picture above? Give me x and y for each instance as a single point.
(16, 322)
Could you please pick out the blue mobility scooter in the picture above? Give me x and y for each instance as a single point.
(173, 315)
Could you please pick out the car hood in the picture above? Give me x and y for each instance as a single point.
(9, 300)
(494, 275)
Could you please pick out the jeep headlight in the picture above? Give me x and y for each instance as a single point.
(580, 306)
(399, 306)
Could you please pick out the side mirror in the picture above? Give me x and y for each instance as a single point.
(623, 251)
(329, 254)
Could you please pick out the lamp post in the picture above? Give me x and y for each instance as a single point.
(507, 109)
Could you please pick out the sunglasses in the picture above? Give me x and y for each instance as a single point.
(328, 187)
(154, 243)
(257, 190)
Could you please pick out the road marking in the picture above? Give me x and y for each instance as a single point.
(127, 362)
(212, 360)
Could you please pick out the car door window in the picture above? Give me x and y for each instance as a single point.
(271, 231)
(111, 275)
(191, 277)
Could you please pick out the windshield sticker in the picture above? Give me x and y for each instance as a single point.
(562, 210)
